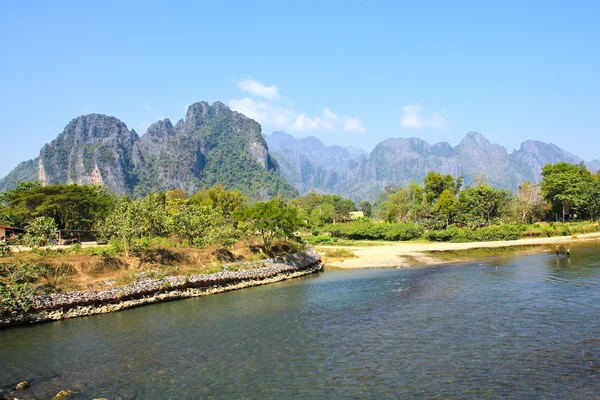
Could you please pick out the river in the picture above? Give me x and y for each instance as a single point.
(521, 327)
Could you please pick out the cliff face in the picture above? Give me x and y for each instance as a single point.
(310, 165)
(213, 144)
(93, 149)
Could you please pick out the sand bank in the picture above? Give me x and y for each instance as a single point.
(407, 254)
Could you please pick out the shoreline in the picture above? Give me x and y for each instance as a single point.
(413, 254)
(68, 305)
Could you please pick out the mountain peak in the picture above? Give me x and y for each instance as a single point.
(475, 138)
(213, 144)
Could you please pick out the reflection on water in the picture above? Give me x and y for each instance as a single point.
(526, 327)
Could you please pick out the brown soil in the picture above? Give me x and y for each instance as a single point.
(78, 271)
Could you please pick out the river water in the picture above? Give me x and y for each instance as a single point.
(521, 327)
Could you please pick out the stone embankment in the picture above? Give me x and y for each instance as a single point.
(236, 276)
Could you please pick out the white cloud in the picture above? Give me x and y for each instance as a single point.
(354, 124)
(412, 119)
(259, 89)
(269, 113)
(263, 112)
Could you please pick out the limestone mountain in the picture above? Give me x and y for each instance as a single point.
(213, 144)
(398, 161)
(308, 163)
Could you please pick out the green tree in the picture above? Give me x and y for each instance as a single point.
(154, 215)
(40, 232)
(217, 197)
(480, 205)
(202, 226)
(446, 205)
(435, 183)
(564, 185)
(270, 220)
(71, 206)
(366, 208)
(401, 204)
(125, 222)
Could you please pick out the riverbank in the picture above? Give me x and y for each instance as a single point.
(409, 254)
(146, 291)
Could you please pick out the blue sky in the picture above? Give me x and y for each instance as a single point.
(350, 73)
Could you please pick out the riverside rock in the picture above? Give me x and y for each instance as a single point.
(146, 291)
(63, 394)
(22, 385)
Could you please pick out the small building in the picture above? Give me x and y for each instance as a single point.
(356, 215)
(6, 232)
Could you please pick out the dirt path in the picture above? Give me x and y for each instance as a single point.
(406, 254)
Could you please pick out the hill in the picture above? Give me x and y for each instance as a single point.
(310, 165)
(213, 144)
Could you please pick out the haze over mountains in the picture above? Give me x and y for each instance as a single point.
(310, 165)
(214, 144)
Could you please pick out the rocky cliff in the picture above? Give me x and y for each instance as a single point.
(213, 144)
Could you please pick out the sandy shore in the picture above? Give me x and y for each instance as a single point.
(406, 254)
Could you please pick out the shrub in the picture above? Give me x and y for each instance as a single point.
(4, 250)
(488, 234)
(314, 240)
(339, 253)
(372, 231)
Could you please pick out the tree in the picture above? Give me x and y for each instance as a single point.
(397, 204)
(528, 203)
(125, 222)
(154, 215)
(435, 183)
(71, 206)
(366, 208)
(40, 232)
(202, 226)
(324, 209)
(446, 205)
(564, 185)
(589, 202)
(479, 205)
(217, 197)
(271, 219)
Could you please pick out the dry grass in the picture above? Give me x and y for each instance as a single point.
(332, 255)
(77, 270)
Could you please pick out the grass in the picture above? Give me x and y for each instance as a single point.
(351, 243)
(96, 268)
(483, 253)
(337, 255)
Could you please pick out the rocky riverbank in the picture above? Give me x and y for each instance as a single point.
(76, 304)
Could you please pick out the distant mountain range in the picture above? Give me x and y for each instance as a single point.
(310, 165)
(213, 144)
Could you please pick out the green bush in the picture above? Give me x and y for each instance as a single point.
(4, 250)
(323, 239)
(488, 234)
(373, 231)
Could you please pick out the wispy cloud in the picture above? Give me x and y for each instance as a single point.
(272, 113)
(259, 89)
(412, 119)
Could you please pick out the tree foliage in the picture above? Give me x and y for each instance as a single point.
(40, 232)
(202, 226)
(70, 206)
(270, 220)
